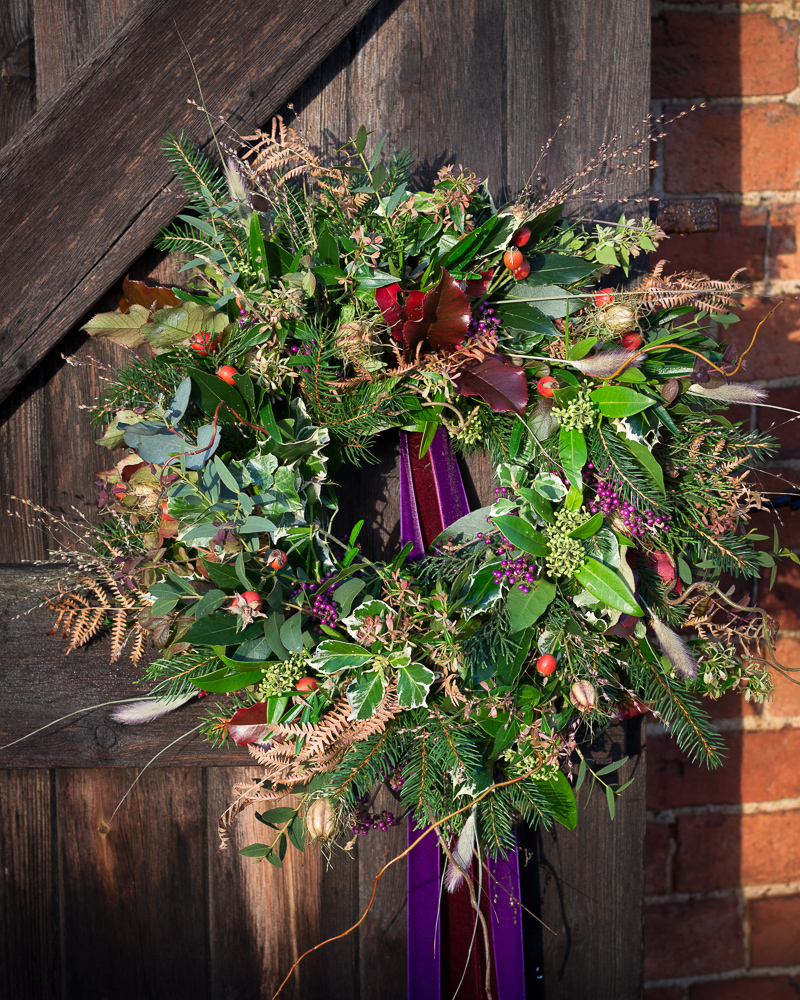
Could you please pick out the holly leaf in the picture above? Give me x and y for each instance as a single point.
(446, 315)
(413, 684)
(332, 655)
(365, 694)
(499, 383)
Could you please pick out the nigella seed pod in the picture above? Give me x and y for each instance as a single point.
(320, 821)
(583, 695)
(619, 319)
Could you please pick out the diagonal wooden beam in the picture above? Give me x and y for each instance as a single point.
(83, 186)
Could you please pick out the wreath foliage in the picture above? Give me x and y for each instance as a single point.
(327, 303)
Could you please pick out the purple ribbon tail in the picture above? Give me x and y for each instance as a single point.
(424, 933)
(507, 943)
(410, 529)
(450, 491)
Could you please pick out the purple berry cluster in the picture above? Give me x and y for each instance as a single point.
(607, 501)
(364, 821)
(302, 349)
(483, 322)
(396, 779)
(322, 605)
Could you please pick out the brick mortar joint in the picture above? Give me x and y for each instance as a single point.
(730, 975)
(745, 893)
(787, 10)
(761, 808)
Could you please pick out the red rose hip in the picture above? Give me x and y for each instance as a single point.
(604, 297)
(277, 559)
(522, 271)
(546, 664)
(521, 236)
(253, 598)
(512, 259)
(226, 373)
(306, 685)
(547, 385)
(203, 343)
(631, 341)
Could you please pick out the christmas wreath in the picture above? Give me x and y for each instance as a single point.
(327, 304)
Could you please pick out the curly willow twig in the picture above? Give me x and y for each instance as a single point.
(399, 857)
(688, 350)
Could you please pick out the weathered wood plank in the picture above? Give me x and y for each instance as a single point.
(591, 886)
(29, 944)
(17, 70)
(40, 684)
(132, 888)
(106, 195)
(263, 918)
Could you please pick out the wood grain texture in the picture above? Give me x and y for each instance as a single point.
(263, 918)
(40, 684)
(132, 888)
(95, 143)
(17, 68)
(29, 910)
(590, 883)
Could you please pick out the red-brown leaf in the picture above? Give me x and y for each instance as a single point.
(141, 294)
(497, 382)
(445, 318)
(249, 725)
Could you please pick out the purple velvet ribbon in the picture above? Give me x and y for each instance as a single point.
(507, 944)
(424, 879)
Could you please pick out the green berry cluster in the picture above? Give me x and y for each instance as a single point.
(470, 435)
(282, 676)
(579, 414)
(566, 554)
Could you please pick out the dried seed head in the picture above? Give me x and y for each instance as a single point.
(583, 695)
(320, 821)
(619, 319)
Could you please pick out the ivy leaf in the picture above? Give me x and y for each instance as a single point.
(332, 655)
(607, 586)
(522, 535)
(413, 684)
(446, 315)
(549, 485)
(525, 609)
(365, 694)
(573, 453)
(499, 383)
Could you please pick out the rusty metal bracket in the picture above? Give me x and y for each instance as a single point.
(684, 216)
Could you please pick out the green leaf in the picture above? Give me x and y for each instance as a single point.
(542, 507)
(525, 317)
(521, 534)
(581, 774)
(219, 629)
(611, 767)
(550, 300)
(257, 251)
(573, 453)
(582, 348)
(557, 269)
(297, 833)
(413, 684)
(209, 602)
(361, 139)
(594, 524)
(615, 401)
(281, 814)
(644, 457)
(223, 681)
(561, 799)
(610, 800)
(224, 575)
(365, 694)
(332, 655)
(465, 528)
(607, 586)
(256, 851)
(272, 634)
(123, 328)
(345, 594)
(212, 391)
(292, 633)
(327, 246)
(549, 485)
(241, 574)
(525, 609)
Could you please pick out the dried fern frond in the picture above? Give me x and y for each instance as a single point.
(688, 288)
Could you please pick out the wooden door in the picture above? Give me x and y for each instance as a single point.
(145, 905)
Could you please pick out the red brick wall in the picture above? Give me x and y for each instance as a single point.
(723, 847)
